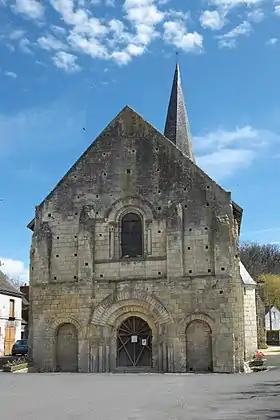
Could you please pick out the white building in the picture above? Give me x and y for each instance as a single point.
(250, 317)
(272, 319)
(10, 315)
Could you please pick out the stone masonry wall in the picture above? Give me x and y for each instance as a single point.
(189, 264)
(55, 304)
(251, 341)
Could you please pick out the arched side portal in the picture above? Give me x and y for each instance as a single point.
(199, 346)
(66, 348)
(134, 344)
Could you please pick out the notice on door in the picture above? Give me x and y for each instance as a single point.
(144, 342)
(134, 338)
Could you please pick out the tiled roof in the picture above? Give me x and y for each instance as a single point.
(177, 127)
(8, 288)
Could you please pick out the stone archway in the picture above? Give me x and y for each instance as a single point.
(199, 346)
(134, 344)
(109, 310)
(114, 310)
(66, 348)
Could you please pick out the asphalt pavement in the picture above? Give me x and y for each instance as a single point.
(58, 396)
(61, 396)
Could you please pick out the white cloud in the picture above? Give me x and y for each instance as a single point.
(134, 50)
(277, 9)
(31, 8)
(256, 15)
(176, 33)
(212, 19)
(143, 15)
(11, 74)
(129, 34)
(178, 14)
(222, 152)
(121, 57)
(24, 46)
(66, 61)
(222, 138)
(235, 3)
(111, 39)
(15, 269)
(229, 39)
(272, 41)
(225, 162)
(58, 30)
(16, 34)
(50, 43)
(227, 43)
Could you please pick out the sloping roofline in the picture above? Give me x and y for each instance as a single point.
(7, 288)
(237, 210)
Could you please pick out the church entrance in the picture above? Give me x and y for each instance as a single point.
(134, 344)
(67, 348)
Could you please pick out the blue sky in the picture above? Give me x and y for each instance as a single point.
(67, 64)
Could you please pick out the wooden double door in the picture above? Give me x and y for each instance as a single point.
(9, 341)
(134, 344)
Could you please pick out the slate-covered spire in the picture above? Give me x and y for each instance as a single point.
(177, 125)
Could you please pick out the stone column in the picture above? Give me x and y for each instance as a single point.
(86, 244)
(84, 356)
(175, 241)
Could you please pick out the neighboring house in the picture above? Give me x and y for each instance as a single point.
(250, 315)
(134, 258)
(272, 325)
(10, 315)
(25, 311)
(272, 319)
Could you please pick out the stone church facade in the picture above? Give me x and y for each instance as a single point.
(134, 263)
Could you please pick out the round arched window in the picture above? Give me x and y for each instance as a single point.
(131, 235)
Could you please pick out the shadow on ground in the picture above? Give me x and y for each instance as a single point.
(269, 393)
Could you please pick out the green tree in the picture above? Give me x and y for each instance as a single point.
(271, 289)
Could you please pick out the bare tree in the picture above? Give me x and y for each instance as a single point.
(260, 259)
(15, 281)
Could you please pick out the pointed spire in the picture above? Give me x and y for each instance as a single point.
(177, 125)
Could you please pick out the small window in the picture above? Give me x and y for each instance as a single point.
(131, 236)
(12, 309)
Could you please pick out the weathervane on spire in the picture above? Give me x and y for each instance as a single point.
(177, 57)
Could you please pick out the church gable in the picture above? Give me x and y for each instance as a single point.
(137, 174)
(131, 157)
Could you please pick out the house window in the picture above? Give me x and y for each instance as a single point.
(131, 236)
(12, 309)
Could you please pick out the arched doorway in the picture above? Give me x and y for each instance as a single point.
(67, 348)
(134, 344)
(199, 346)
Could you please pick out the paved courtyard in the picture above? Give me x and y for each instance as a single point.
(140, 397)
